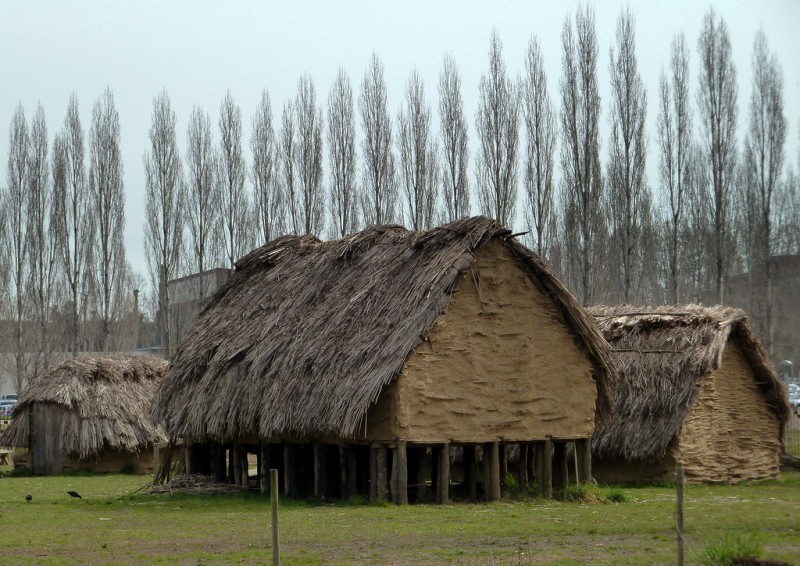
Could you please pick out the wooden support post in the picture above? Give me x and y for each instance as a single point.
(352, 473)
(522, 466)
(399, 484)
(317, 470)
(443, 484)
(244, 466)
(560, 465)
(218, 462)
(373, 474)
(531, 465)
(231, 465)
(237, 466)
(584, 448)
(187, 458)
(343, 472)
(156, 458)
(381, 490)
(288, 471)
(263, 468)
(544, 468)
(486, 471)
(494, 470)
(470, 472)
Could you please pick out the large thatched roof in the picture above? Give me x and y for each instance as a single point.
(105, 402)
(305, 335)
(662, 353)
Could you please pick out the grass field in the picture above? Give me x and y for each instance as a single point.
(114, 525)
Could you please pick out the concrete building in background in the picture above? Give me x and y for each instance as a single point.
(188, 296)
(748, 291)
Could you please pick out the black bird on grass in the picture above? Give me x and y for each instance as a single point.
(28, 498)
(74, 494)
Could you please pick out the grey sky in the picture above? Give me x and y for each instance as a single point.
(199, 50)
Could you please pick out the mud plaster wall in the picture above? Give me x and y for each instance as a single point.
(500, 364)
(731, 434)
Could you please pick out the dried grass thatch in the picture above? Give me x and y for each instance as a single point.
(662, 353)
(105, 402)
(306, 334)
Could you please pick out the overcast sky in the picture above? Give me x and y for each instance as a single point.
(199, 50)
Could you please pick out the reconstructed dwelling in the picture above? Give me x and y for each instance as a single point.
(353, 366)
(89, 413)
(694, 385)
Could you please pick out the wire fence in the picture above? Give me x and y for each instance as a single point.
(791, 438)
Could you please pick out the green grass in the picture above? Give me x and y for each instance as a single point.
(732, 547)
(113, 524)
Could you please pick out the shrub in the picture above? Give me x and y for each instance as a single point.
(732, 548)
(616, 495)
(579, 492)
(20, 472)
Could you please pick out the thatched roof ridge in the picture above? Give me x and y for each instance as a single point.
(305, 335)
(106, 402)
(662, 353)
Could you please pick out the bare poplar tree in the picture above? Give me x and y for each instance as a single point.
(580, 152)
(763, 158)
(309, 157)
(72, 216)
(41, 239)
(342, 156)
(16, 246)
(787, 207)
(540, 129)
(379, 184)
(455, 140)
(418, 155)
(497, 125)
(108, 204)
(230, 175)
(697, 231)
(627, 189)
(202, 199)
(267, 194)
(718, 115)
(288, 151)
(674, 143)
(164, 207)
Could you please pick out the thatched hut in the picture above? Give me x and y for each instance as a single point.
(354, 365)
(89, 413)
(694, 385)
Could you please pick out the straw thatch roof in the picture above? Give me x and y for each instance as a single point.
(662, 353)
(305, 335)
(104, 403)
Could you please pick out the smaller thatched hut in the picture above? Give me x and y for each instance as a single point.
(89, 413)
(694, 385)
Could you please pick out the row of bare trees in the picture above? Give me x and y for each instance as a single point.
(66, 285)
(613, 234)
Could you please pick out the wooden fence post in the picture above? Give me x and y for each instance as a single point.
(273, 484)
(679, 514)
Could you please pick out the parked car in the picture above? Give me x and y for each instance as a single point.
(794, 401)
(6, 407)
(9, 397)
